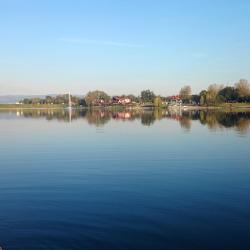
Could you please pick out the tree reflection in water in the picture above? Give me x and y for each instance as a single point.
(214, 120)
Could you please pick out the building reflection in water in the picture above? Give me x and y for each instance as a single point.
(214, 120)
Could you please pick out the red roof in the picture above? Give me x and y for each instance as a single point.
(175, 98)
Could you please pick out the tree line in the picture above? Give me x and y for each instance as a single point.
(213, 95)
(217, 93)
(59, 99)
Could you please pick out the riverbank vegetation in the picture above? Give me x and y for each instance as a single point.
(215, 95)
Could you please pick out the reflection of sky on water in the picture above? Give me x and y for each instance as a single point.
(151, 173)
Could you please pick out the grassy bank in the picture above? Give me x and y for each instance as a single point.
(31, 106)
(235, 105)
(219, 106)
(225, 106)
(60, 106)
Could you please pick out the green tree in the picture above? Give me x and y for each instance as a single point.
(147, 96)
(49, 99)
(26, 101)
(229, 94)
(75, 100)
(134, 98)
(96, 95)
(203, 95)
(195, 99)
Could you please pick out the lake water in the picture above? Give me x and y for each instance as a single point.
(124, 180)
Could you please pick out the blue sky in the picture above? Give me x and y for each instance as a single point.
(122, 46)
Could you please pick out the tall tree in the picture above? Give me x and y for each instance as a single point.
(212, 92)
(185, 93)
(243, 88)
(203, 99)
(158, 102)
(147, 96)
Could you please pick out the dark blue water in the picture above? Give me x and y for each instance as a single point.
(124, 180)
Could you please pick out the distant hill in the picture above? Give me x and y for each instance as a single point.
(10, 99)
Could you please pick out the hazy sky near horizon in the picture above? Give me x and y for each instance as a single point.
(122, 46)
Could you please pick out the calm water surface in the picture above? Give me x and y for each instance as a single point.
(124, 180)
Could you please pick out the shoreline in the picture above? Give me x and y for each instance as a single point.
(235, 106)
